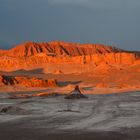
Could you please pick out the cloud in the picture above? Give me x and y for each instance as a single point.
(70, 1)
(93, 4)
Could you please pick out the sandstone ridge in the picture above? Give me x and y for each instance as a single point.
(32, 55)
(26, 82)
(57, 48)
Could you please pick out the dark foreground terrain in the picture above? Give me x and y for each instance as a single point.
(12, 131)
(99, 117)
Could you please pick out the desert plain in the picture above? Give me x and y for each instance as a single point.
(36, 77)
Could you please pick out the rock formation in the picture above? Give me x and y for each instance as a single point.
(57, 48)
(75, 94)
(13, 110)
(32, 55)
(27, 82)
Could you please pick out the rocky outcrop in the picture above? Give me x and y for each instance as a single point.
(31, 55)
(27, 82)
(57, 48)
(75, 94)
(13, 110)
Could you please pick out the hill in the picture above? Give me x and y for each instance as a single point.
(31, 55)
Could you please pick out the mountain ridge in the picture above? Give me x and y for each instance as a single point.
(30, 55)
(58, 48)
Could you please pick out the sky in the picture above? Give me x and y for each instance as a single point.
(110, 22)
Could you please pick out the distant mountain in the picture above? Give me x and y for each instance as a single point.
(58, 48)
(31, 54)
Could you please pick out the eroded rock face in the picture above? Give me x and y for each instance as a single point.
(27, 82)
(57, 48)
(30, 55)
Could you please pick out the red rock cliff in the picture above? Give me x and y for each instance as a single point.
(30, 54)
(27, 82)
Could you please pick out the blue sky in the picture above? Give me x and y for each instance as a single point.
(111, 22)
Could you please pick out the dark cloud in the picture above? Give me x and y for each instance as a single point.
(113, 22)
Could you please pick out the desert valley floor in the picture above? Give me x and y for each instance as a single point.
(106, 116)
(101, 116)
